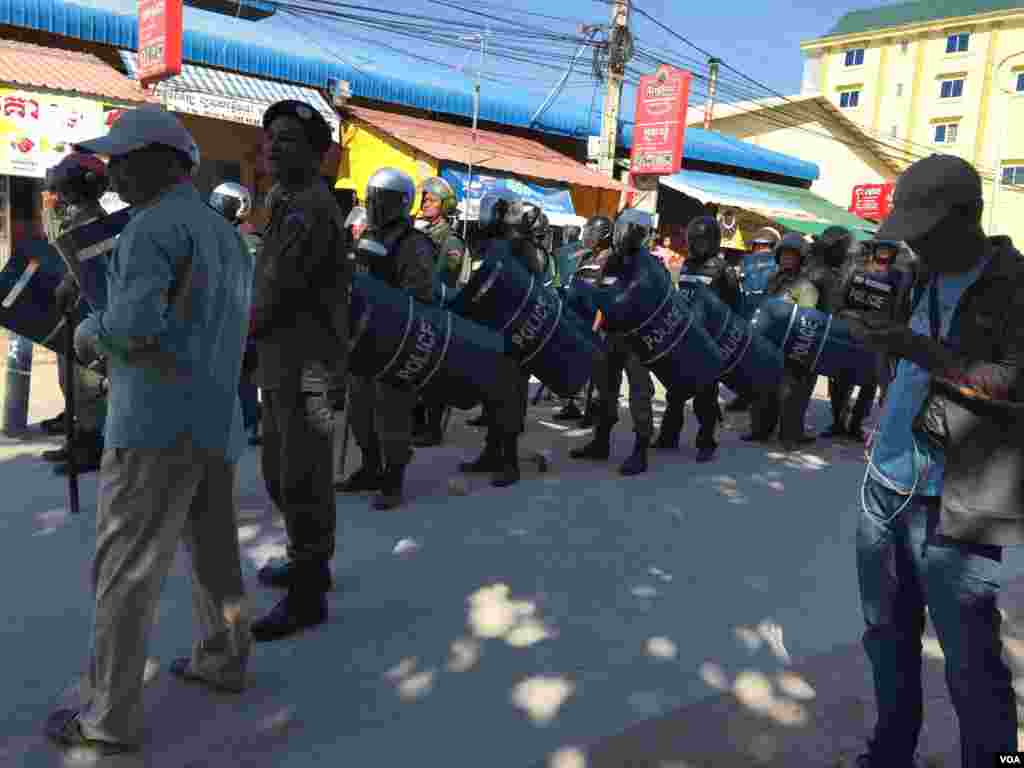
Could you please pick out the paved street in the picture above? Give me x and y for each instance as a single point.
(695, 616)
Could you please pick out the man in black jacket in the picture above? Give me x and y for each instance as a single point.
(705, 266)
(301, 278)
(943, 494)
(382, 416)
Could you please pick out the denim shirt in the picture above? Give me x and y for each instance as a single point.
(897, 455)
(174, 337)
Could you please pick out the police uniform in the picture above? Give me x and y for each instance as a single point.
(300, 324)
(381, 416)
(715, 274)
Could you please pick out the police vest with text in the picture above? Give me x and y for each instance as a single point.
(872, 294)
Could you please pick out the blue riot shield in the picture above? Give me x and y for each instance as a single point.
(85, 251)
(757, 269)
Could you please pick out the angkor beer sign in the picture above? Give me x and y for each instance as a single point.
(872, 201)
(160, 30)
(660, 124)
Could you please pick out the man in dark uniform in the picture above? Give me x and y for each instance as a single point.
(706, 267)
(873, 291)
(381, 416)
(437, 206)
(566, 259)
(596, 240)
(504, 218)
(73, 189)
(631, 230)
(300, 324)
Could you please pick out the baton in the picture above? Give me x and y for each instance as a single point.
(69, 410)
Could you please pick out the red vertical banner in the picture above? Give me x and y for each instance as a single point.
(660, 123)
(872, 201)
(160, 33)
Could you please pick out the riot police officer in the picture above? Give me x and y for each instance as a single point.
(234, 202)
(437, 206)
(871, 290)
(756, 269)
(786, 408)
(504, 219)
(300, 324)
(398, 254)
(566, 258)
(704, 265)
(631, 230)
(75, 186)
(596, 238)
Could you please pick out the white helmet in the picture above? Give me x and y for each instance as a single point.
(232, 201)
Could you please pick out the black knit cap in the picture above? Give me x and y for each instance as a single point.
(317, 130)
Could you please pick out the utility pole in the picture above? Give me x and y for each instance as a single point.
(620, 49)
(476, 117)
(709, 107)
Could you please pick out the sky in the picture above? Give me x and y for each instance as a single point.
(759, 39)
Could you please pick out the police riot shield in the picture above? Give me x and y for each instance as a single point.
(820, 343)
(752, 363)
(27, 306)
(756, 271)
(548, 342)
(654, 319)
(85, 250)
(424, 348)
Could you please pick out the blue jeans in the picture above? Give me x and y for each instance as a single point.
(903, 565)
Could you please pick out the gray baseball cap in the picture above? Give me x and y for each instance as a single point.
(926, 193)
(138, 128)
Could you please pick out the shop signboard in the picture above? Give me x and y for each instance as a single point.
(554, 199)
(660, 123)
(872, 201)
(160, 40)
(37, 129)
(227, 108)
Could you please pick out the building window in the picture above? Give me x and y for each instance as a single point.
(1020, 81)
(899, 90)
(1013, 174)
(849, 99)
(904, 46)
(854, 57)
(952, 89)
(894, 131)
(958, 43)
(945, 133)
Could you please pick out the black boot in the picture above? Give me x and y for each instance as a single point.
(569, 412)
(598, 449)
(300, 609)
(432, 433)
(367, 477)
(57, 455)
(489, 461)
(706, 446)
(391, 481)
(477, 421)
(54, 426)
(836, 430)
(671, 426)
(590, 417)
(87, 449)
(739, 404)
(292, 575)
(637, 462)
(509, 472)
(856, 432)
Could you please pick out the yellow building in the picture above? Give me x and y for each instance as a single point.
(925, 77)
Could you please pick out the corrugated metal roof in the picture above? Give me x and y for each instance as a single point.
(103, 26)
(493, 150)
(69, 72)
(915, 13)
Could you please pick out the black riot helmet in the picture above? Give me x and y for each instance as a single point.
(390, 196)
(572, 234)
(703, 238)
(597, 233)
(632, 230)
(78, 178)
(833, 246)
(496, 208)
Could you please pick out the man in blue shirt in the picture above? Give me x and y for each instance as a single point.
(941, 495)
(172, 334)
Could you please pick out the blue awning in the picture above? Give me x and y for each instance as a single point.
(103, 26)
(229, 96)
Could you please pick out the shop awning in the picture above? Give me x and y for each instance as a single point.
(229, 96)
(792, 207)
(526, 158)
(554, 199)
(66, 72)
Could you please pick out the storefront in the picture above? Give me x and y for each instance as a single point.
(49, 100)
(567, 190)
(224, 113)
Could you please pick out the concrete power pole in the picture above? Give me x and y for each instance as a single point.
(619, 51)
(709, 108)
